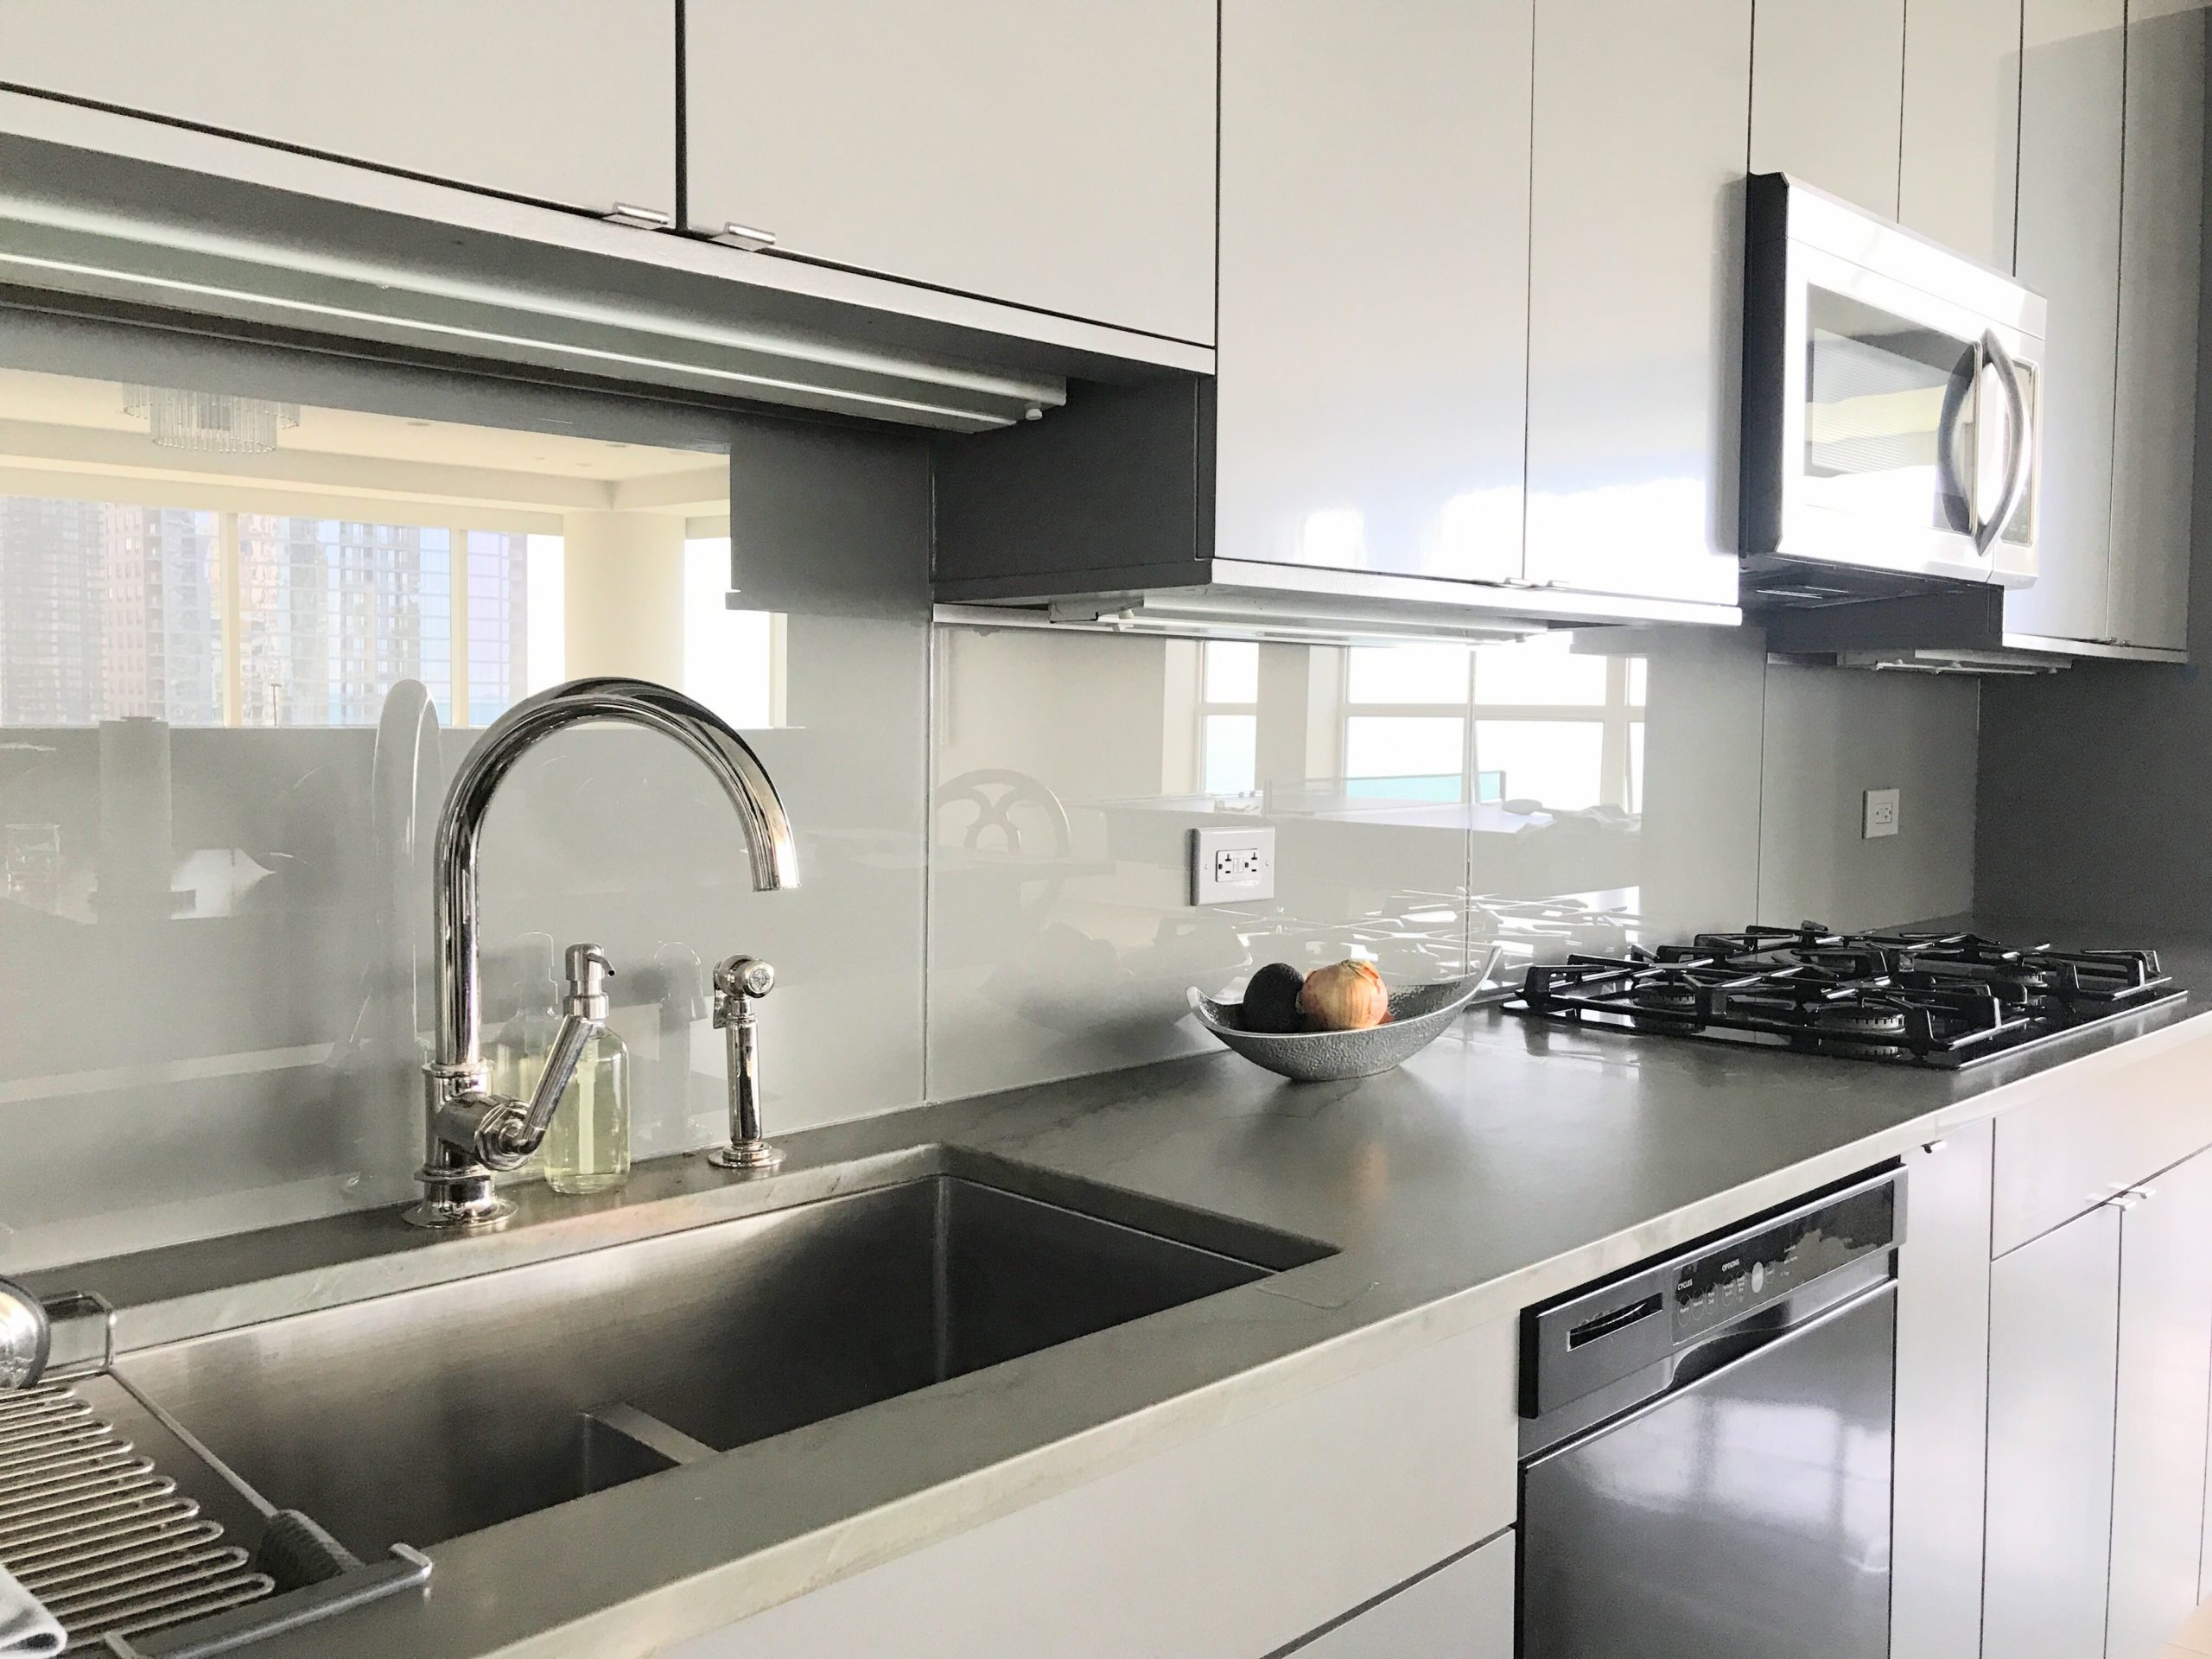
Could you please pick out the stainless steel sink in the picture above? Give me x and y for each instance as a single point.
(423, 1416)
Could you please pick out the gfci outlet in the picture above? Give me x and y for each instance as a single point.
(1232, 865)
(1881, 813)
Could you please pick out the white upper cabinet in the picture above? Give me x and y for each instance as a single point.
(1635, 266)
(2161, 241)
(1374, 284)
(1958, 173)
(571, 102)
(2073, 75)
(1054, 153)
(1825, 82)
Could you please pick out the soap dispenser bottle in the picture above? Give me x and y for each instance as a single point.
(588, 1146)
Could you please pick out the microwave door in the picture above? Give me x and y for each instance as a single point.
(1888, 409)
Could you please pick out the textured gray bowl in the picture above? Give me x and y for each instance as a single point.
(1418, 1013)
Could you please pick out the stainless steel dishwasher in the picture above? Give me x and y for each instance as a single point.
(1706, 1444)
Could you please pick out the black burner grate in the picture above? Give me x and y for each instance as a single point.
(1945, 999)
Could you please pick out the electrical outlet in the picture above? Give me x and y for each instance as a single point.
(1881, 813)
(1232, 865)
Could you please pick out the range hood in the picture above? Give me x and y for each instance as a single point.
(1962, 632)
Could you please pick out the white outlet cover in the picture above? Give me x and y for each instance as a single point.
(1230, 867)
(1883, 806)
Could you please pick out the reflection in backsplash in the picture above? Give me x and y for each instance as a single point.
(233, 685)
(1566, 793)
(1427, 801)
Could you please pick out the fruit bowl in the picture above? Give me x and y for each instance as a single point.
(1418, 1014)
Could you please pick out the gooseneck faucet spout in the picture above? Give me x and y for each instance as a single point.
(472, 1132)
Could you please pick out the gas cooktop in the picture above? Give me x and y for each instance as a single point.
(1948, 999)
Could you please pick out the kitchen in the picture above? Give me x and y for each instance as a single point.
(1103, 500)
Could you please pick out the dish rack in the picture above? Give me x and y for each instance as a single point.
(95, 1524)
(100, 1537)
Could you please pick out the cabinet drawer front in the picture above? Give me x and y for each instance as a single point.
(1463, 1610)
(2112, 1121)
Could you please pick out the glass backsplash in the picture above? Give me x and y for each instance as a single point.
(239, 659)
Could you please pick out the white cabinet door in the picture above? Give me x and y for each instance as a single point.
(1463, 1610)
(1374, 284)
(1056, 154)
(1942, 1409)
(565, 101)
(1635, 264)
(1827, 82)
(1958, 173)
(2054, 1329)
(2071, 82)
(2161, 241)
(2166, 1383)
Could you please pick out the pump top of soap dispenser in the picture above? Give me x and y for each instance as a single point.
(588, 972)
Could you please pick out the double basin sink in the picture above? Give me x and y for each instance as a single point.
(427, 1413)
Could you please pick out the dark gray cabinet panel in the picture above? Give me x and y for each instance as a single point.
(1462, 1610)
(2161, 245)
(1825, 85)
(1056, 154)
(1957, 170)
(2165, 1382)
(1374, 284)
(2054, 1333)
(566, 101)
(2071, 82)
(1943, 1406)
(1635, 261)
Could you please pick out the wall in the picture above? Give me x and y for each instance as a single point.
(1067, 779)
(2091, 777)
(246, 1054)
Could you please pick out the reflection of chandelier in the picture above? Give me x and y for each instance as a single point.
(214, 421)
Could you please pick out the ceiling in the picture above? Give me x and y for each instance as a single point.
(64, 424)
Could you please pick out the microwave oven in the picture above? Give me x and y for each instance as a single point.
(1892, 401)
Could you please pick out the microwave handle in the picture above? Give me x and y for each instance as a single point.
(2019, 452)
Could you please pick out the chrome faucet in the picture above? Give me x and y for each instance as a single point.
(472, 1132)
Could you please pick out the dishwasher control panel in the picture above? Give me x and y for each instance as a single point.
(1640, 1318)
(1749, 1271)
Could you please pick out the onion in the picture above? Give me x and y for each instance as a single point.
(1347, 997)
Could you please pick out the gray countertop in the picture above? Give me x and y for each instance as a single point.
(1511, 1160)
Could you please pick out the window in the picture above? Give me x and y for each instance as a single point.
(332, 614)
(1406, 722)
(1229, 717)
(107, 610)
(1532, 720)
(733, 660)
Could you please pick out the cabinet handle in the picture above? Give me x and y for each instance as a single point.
(641, 219)
(751, 238)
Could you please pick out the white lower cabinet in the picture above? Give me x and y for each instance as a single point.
(2054, 1329)
(2165, 1381)
(1244, 1539)
(2099, 1383)
(1942, 1405)
(1463, 1610)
